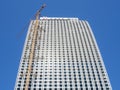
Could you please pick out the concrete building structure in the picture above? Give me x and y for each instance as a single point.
(66, 57)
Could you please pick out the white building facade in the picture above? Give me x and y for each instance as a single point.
(66, 57)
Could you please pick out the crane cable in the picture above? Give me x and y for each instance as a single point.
(27, 24)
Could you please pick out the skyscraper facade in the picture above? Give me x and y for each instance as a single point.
(66, 57)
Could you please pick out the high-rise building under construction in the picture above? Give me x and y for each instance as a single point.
(64, 56)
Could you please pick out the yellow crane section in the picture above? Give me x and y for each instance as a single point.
(33, 46)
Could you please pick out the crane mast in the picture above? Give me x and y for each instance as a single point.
(35, 32)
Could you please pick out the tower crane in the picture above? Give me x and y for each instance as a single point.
(35, 31)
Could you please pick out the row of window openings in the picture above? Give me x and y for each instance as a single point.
(68, 64)
(41, 59)
(63, 50)
(65, 68)
(49, 33)
(58, 38)
(66, 74)
(59, 48)
(68, 52)
(76, 84)
(75, 72)
(64, 60)
(55, 33)
(63, 56)
(55, 41)
(45, 51)
(66, 86)
(50, 38)
(72, 88)
(59, 42)
(53, 46)
(56, 57)
(92, 70)
(80, 80)
(69, 67)
(61, 81)
(70, 81)
(62, 65)
(87, 65)
(66, 71)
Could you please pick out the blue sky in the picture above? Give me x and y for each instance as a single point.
(103, 16)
